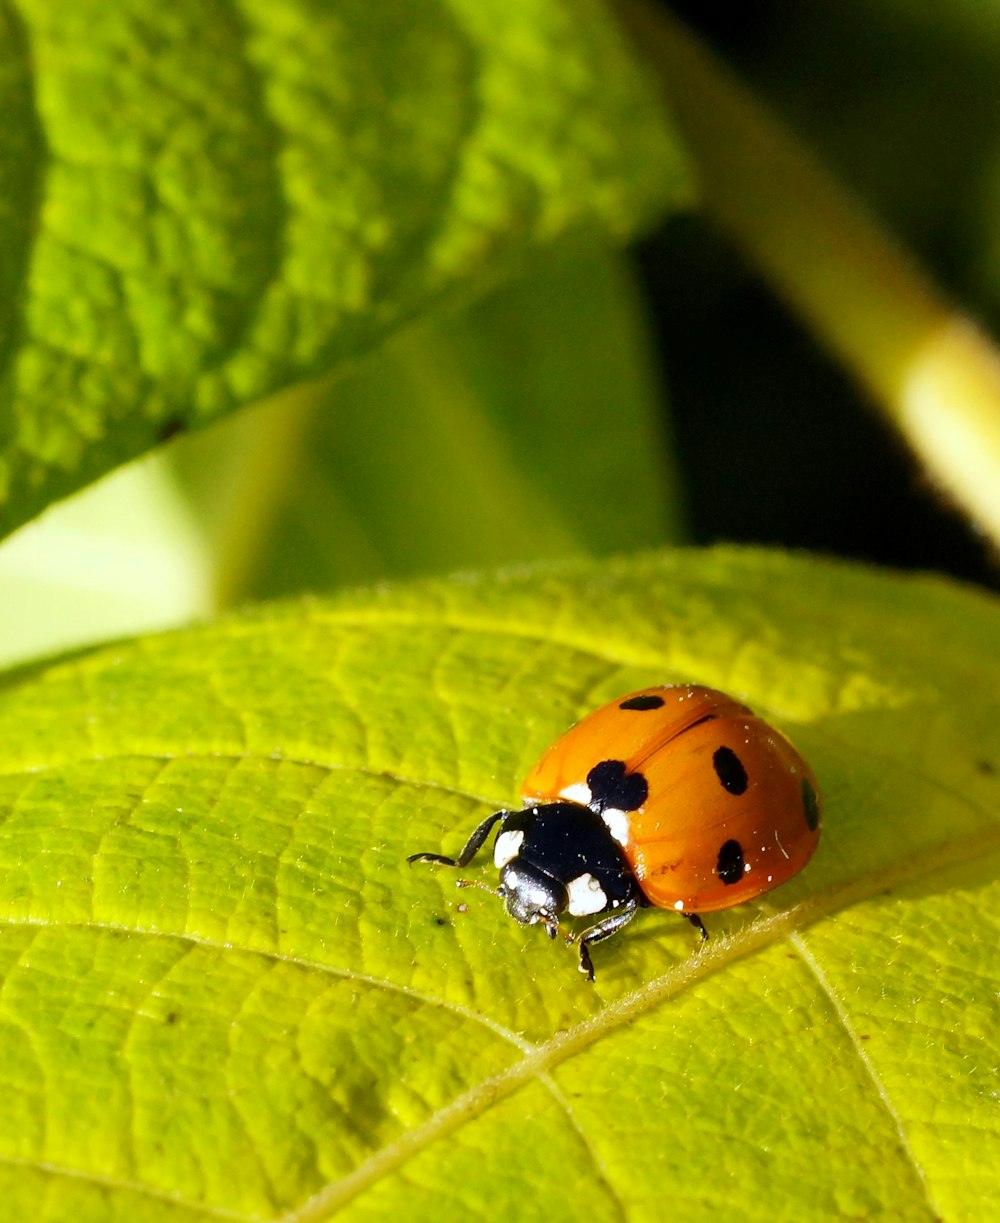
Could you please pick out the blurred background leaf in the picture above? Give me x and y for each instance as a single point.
(901, 99)
(526, 427)
(322, 176)
(204, 207)
(508, 424)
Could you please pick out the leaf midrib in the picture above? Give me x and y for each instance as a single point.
(719, 954)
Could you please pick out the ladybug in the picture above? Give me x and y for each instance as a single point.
(677, 797)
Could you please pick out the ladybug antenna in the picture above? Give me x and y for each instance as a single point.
(550, 924)
(476, 883)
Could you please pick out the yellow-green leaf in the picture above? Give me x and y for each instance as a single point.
(223, 992)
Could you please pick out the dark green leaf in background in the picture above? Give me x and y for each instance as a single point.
(527, 427)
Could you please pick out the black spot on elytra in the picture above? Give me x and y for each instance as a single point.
(642, 703)
(729, 770)
(612, 787)
(729, 868)
(810, 804)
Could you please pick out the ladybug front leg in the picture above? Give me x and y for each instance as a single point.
(597, 934)
(472, 846)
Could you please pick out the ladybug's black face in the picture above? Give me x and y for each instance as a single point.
(557, 858)
(560, 858)
(530, 895)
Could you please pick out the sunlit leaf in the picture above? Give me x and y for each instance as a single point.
(224, 992)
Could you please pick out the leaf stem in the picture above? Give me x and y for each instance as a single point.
(931, 370)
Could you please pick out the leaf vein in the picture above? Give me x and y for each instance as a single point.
(844, 1019)
(114, 1183)
(278, 957)
(699, 966)
(597, 1163)
(236, 758)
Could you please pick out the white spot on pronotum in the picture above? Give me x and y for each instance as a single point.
(617, 824)
(578, 792)
(586, 896)
(507, 848)
(679, 906)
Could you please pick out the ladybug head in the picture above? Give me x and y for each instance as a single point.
(531, 895)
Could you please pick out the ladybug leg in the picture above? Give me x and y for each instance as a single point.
(698, 924)
(472, 846)
(597, 934)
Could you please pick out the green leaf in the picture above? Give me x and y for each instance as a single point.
(524, 428)
(127, 555)
(203, 204)
(225, 993)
